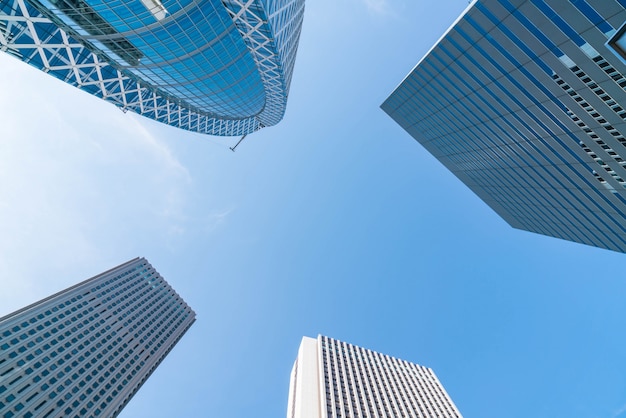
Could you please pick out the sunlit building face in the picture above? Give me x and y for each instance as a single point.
(86, 351)
(216, 67)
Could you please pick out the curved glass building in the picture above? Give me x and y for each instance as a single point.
(220, 67)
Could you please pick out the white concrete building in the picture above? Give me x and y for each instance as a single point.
(333, 379)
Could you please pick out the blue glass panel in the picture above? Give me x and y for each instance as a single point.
(554, 17)
(531, 27)
(592, 15)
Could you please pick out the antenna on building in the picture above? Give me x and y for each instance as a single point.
(242, 138)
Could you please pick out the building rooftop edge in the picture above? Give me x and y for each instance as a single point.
(374, 351)
(446, 32)
(39, 302)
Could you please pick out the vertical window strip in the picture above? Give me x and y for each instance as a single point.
(559, 22)
(514, 38)
(530, 27)
(479, 108)
(483, 135)
(593, 16)
(495, 96)
(554, 119)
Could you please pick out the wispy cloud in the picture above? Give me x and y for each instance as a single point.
(157, 148)
(620, 412)
(216, 218)
(379, 7)
(81, 183)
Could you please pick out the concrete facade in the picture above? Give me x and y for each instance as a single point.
(333, 379)
(85, 351)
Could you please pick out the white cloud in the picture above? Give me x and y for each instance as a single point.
(384, 8)
(620, 412)
(377, 6)
(216, 218)
(82, 185)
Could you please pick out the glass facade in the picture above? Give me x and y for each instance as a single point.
(85, 351)
(522, 101)
(218, 67)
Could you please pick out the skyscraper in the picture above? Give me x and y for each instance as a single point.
(85, 351)
(333, 379)
(209, 66)
(525, 102)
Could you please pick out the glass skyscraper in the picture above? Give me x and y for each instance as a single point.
(333, 379)
(85, 351)
(525, 102)
(209, 66)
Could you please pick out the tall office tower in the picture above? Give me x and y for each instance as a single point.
(333, 379)
(85, 351)
(220, 67)
(525, 102)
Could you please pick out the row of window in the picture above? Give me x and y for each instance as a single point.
(363, 382)
(90, 348)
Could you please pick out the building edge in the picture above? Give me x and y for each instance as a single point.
(76, 286)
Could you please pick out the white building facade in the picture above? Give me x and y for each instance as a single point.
(333, 379)
(525, 102)
(85, 351)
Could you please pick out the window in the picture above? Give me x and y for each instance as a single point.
(617, 43)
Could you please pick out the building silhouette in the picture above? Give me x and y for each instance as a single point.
(333, 379)
(85, 351)
(525, 102)
(209, 66)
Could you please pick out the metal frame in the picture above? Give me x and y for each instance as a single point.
(34, 38)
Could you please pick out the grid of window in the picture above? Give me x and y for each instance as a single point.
(86, 351)
(360, 383)
(194, 53)
(610, 153)
(522, 100)
(202, 66)
(285, 17)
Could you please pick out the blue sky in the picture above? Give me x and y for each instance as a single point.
(334, 222)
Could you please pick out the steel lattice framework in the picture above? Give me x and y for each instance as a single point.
(38, 40)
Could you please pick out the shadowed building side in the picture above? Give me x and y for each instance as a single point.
(523, 101)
